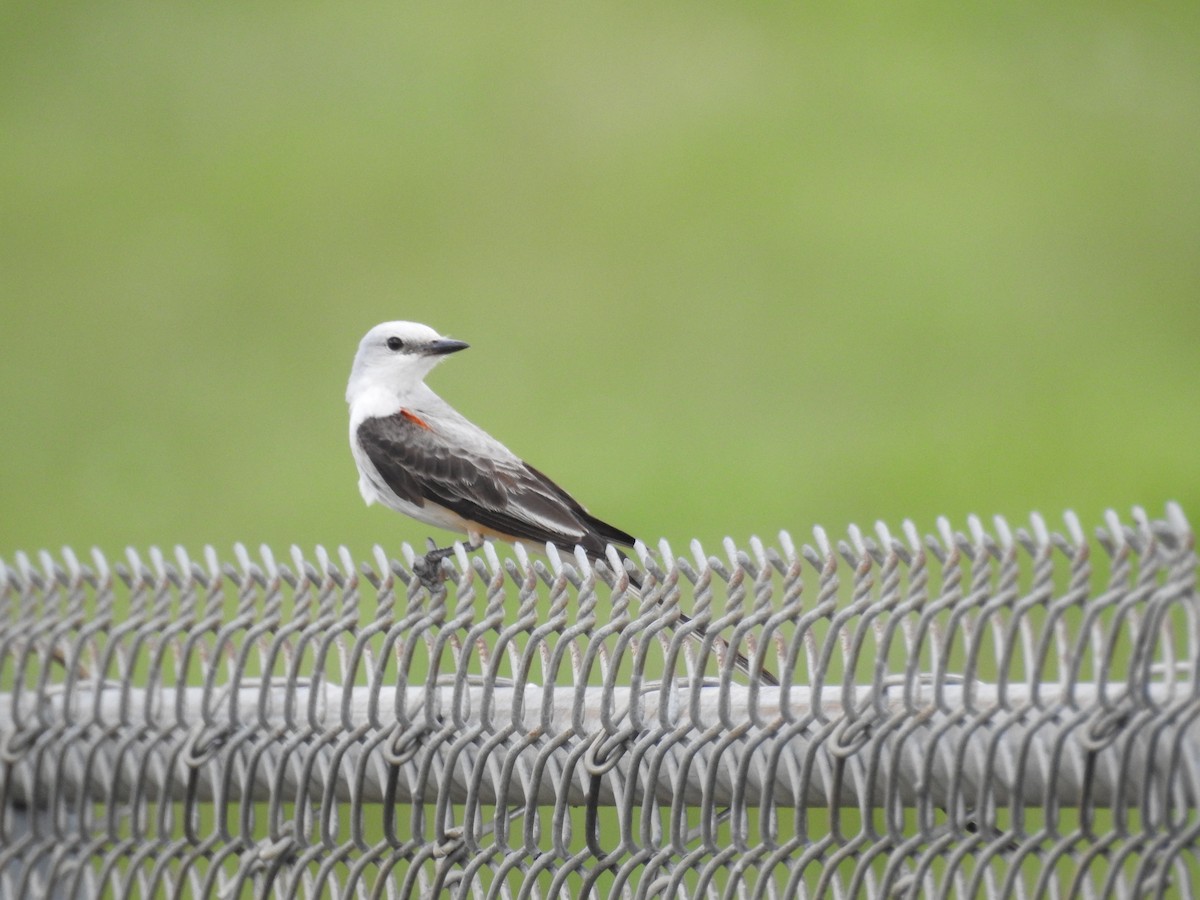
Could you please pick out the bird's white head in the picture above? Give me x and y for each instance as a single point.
(396, 356)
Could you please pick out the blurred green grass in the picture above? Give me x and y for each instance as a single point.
(725, 268)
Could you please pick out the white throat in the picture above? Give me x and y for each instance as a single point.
(372, 401)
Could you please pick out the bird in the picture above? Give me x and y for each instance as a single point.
(419, 456)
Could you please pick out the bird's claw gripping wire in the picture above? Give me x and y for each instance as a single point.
(429, 568)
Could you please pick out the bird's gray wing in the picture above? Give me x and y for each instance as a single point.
(502, 494)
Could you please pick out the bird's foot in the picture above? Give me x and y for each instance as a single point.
(430, 572)
(429, 567)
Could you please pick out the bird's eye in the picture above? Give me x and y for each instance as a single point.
(394, 343)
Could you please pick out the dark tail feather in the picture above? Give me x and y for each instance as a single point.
(740, 661)
(606, 534)
(635, 575)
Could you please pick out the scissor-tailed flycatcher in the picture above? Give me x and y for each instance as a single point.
(419, 456)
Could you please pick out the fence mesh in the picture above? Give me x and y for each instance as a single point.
(1003, 712)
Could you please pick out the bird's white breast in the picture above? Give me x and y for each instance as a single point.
(372, 402)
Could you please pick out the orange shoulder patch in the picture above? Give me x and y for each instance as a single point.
(415, 419)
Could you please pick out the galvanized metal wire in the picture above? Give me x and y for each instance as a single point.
(1003, 712)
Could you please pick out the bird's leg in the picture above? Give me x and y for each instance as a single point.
(429, 567)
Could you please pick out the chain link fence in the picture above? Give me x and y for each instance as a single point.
(1003, 712)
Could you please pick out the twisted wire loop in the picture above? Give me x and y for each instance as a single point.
(1001, 713)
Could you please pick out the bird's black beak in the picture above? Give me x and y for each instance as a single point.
(442, 346)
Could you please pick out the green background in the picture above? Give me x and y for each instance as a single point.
(725, 268)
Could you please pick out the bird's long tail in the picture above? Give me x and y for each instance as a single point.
(428, 569)
(740, 660)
